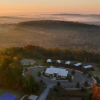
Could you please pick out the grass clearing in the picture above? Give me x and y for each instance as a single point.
(96, 72)
(18, 95)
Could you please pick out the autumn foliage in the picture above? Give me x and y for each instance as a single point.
(96, 92)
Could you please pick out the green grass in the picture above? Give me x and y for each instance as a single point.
(96, 72)
(18, 96)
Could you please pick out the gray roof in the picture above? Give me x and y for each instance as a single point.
(32, 97)
(27, 61)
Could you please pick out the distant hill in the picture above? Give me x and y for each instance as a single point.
(56, 24)
(51, 33)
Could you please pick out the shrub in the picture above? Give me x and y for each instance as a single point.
(39, 73)
(77, 85)
(86, 84)
(58, 84)
(69, 77)
(89, 74)
(43, 73)
(73, 72)
(41, 81)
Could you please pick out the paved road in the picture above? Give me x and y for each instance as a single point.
(78, 77)
(44, 94)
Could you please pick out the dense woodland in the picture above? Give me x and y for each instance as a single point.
(31, 51)
(11, 75)
(51, 33)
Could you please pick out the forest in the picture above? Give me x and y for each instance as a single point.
(51, 33)
(38, 52)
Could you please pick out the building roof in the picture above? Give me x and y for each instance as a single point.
(78, 64)
(7, 96)
(67, 62)
(49, 60)
(59, 61)
(52, 70)
(27, 61)
(88, 66)
(33, 97)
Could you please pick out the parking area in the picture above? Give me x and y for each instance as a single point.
(78, 77)
(34, 70)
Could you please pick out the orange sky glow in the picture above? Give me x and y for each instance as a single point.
(7, 6)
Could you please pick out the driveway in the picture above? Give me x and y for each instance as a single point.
(44, 94)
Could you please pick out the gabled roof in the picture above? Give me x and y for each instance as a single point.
(59, 61)
(67, 62)
(32, 97)
(78, 64)
(88, 66)
(52, 70)
(49, 60)
(27, 61)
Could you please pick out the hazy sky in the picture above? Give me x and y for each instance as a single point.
(49, 6)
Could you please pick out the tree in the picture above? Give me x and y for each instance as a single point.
(83, 98)
(86, 84)
(73, 72)
(89, 74)
(30, 85)
(77, 85)
(90, 95)
(39, 74)
(96, 93)
(28, 74)
(58, 84)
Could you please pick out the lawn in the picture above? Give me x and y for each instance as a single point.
(18, 95)
(96, 72)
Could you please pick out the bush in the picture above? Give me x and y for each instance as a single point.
(69, 77)
(86, 84)
(43, 73)
(39, 73)
(41, 81)
(73, 72)
(58, 84)
(77, 85)
(89, 74)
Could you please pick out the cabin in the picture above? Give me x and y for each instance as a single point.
(58, 61)
(68, 62)
(77, 64)
(49, 60)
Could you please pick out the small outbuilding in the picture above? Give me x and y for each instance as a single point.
(59, 61)
(33, 97)
(67, 62)
(49, 60)
(78, 64)
(27, 62)
(88, 66)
